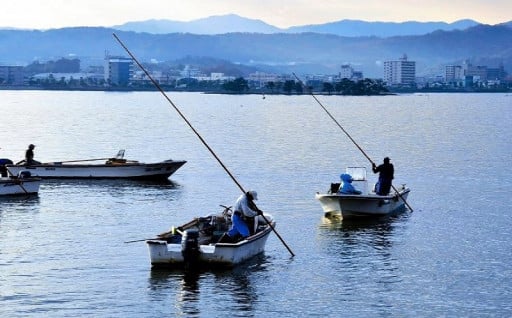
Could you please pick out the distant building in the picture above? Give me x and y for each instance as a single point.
(118, 70)
(260, 79)
(348, 72)
(400, 73)
(11, 75)
(478, 72)
(496, 74)
(454, 74)
(191, 72)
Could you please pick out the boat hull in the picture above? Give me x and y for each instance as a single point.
(358, 206)
(15, 186)
(147, 171)
(217, 255)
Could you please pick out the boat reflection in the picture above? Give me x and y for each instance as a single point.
(193, 289)
(351, 235)
(123, 183)
(112, 187)
(18, 201)
(334, 221)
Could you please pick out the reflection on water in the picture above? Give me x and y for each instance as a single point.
(110, 183)
(19, 200)
(376, 232)
(335, 222)
(366, 248)
(112, 188)
(193, 288)
(19, 203)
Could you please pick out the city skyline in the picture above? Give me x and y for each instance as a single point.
(34, 14)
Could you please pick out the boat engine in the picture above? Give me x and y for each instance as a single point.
(24, 174)
(190, 247)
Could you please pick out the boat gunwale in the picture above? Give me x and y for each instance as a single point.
(101, 165)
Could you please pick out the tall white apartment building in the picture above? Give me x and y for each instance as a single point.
(400, 72)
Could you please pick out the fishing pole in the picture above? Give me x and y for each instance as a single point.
(348, 135)
(195, 131)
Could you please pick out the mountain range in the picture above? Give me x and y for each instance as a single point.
(233, 23)
(281, 52)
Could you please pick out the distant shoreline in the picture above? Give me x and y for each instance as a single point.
(251, 92)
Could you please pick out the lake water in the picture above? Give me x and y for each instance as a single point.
(62, 253)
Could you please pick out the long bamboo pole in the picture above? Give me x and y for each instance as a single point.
(197, 134)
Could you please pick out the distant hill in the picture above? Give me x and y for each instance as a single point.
(280, 52)
(231, 23)
(382, 29)
(212, 25)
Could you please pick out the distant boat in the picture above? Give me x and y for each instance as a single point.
(111, 168)
(196, 243)
(364, 205)
(21, 184)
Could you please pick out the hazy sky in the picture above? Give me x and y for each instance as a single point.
(45, 14)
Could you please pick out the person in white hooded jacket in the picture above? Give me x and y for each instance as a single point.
(244, 214)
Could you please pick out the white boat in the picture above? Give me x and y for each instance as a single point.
(117, 167)
(366, 204)
(19, 185)
(196, 243)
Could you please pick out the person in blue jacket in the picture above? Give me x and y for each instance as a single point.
(346, 185)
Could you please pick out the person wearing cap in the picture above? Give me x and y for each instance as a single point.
(29, 155)
(245, 212)
(386, 174)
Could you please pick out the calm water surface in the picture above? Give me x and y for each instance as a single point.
(62, 253)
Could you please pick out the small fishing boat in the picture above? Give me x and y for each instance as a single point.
(20, 184)
(112, 168)
(196, 243)
(366, 204)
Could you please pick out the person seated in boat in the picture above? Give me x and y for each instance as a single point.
(346, 185)
(245, 214)
(386, 174)
(29, 156)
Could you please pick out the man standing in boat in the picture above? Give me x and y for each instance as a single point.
(244, 214)
(386, 175)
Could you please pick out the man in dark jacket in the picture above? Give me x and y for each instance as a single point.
(386, 175)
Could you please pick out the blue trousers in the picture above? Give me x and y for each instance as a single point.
(238, 227)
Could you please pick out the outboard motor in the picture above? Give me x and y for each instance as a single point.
(190, 247)
(24, 174)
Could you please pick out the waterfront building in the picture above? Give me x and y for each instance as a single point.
(11, 75)
(118, 70)
(401, 72)
(454, 74)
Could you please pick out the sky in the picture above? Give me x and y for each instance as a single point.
(48, 14)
